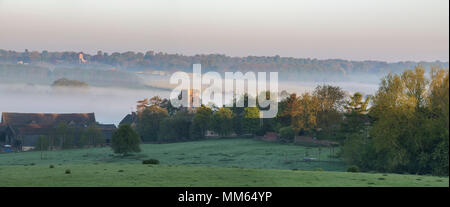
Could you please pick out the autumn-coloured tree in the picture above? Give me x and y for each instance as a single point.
(142, 104)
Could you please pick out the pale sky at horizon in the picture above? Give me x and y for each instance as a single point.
(387, 30)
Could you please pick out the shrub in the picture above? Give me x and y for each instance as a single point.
(353, 168)
(287, 133)
(150, 162)
(68, 171)
(51, 166)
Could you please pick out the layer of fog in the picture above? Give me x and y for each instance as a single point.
(111, 104)
(365, 84)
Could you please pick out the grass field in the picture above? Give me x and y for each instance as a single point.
(232, 162)
(122, 174)
(245, 153)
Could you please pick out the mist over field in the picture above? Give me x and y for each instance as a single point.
(111, 104)
(116, 82)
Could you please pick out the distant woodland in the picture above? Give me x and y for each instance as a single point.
(290, 68)
(34, 74)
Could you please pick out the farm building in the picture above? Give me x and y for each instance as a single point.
(130, 119)
(107, 130)
(24, 129)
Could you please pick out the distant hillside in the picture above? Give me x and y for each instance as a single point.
(289, 68)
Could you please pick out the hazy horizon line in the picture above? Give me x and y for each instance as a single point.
(226, 55)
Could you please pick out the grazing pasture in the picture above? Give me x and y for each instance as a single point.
(244, 153)
(220, 162)
(135, 174)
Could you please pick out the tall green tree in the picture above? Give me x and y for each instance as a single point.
(201, 122)
(125, 140)
(251, 120)
(356, 120)
(438, 103)
(223, 121)
(149, 120)
(398, 130)
(331, 102)
(357, 104)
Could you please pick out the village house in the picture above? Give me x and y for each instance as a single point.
(22, 130)
(130, 119)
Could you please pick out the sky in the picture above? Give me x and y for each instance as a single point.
(386, 30)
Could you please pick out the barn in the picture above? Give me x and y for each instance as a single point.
(22, 130)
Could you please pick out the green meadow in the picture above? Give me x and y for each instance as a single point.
(221, 162)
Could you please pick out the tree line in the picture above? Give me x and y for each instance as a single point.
(402, 128)
(288, 66)
(12, 73)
